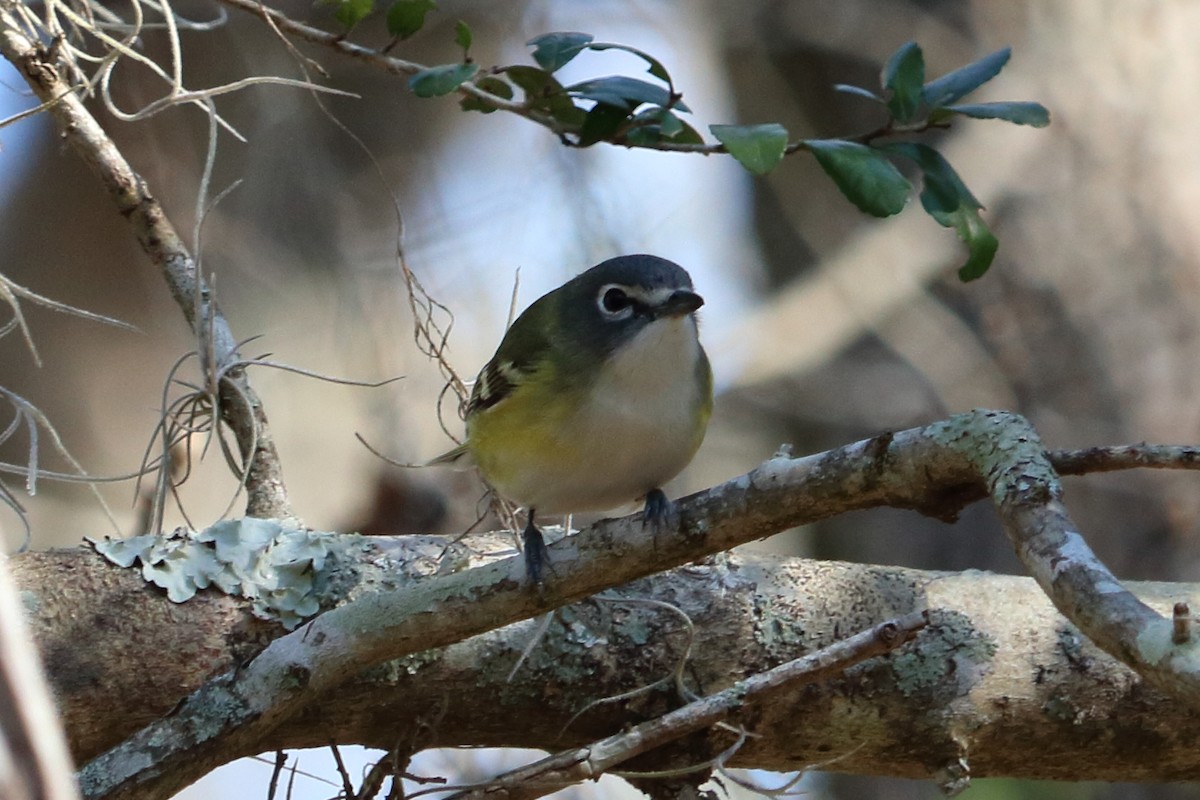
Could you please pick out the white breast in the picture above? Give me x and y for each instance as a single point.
(638, 429)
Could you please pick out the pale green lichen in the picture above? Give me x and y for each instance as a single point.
(579, 629)
(1154, 641)
(1003, 447)
(415, 662)
(274, 566)
(31, 602)
(951, 652)
(636, 629)
(777, 630)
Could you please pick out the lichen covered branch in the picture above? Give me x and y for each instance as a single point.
(934, 469)
(588, 763)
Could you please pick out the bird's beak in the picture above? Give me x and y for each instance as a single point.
(679, 303)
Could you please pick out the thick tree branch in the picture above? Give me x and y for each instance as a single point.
(999, 679)
(588, 763)
(1027, 495)
(241, 407)
(934, 469)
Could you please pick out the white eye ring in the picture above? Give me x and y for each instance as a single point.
(614, 302)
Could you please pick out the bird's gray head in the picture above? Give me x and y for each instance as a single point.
(615, 299)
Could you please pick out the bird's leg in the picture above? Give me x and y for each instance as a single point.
(536, 555)
(658, 513)
(658, 508)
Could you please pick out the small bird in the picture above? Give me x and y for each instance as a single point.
(598, 395)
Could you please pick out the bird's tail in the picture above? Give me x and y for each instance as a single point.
(458, 458)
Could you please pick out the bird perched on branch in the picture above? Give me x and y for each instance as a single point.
(598, 395)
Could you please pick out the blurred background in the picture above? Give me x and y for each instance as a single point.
(825, 326)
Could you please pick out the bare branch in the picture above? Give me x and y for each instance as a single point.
(241, 407)
(1122, 457)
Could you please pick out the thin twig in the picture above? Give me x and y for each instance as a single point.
(1122, 457)
(280, 762)
(347, 784)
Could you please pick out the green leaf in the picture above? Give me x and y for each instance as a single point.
(660, 125)
(601, 123)
(655, 66)
(1034, 114)
(847, 88)
(688, 135)
(644, 136)
(565, 111)
(655, 125)
(863, 174)
(406, 17)
(963, 81)
(491, 85)
(352, 12)
(981, 242)
(462, 36)
(758, 148)
(553, 50)
(903, 75)
(948, 200)
(623, 91)
(536, 83)
(944, 190)
(544, 93)
(670, 125)
(441, 80)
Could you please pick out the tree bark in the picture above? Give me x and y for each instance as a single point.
(999, 684)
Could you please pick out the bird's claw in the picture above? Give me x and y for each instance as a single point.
(536, 555)
(659, 512)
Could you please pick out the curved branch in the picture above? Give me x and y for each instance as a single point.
(934, 469)
(1006, 450)
(999, 679)
(241, 407)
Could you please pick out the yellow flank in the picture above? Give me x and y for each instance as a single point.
(523, 433)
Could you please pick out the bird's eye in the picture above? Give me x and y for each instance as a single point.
(614, 301)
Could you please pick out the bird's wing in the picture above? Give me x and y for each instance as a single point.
(495, 382)
(525, 346)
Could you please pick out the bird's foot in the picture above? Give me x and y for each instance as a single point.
(537, 557)
(659, 513)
